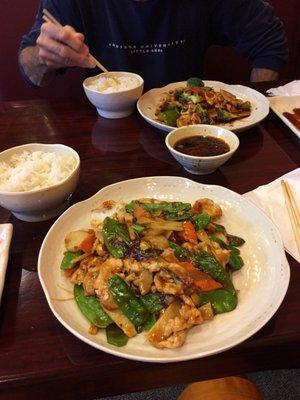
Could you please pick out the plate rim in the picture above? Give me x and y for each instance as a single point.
(266, 317)
(167, 128)
(280, 115)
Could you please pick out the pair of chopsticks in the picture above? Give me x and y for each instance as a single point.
(293, 211)
(48, 17)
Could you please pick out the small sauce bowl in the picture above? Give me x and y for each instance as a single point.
(201, 165)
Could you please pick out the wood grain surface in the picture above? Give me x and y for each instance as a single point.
(39, 358)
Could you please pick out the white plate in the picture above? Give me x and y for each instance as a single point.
(147, 105)
(262, 282)
(283, 104)
(5, 239)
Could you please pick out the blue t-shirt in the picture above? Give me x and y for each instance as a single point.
(165, 40)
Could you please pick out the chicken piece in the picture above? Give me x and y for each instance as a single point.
(144, 281)
(165, 283)
(151, 264)
(86, 262)
(168, 255)
(170, 330)
(131, 265)
(173, 342)
(90, 279)
(191, 315)
(221, 255)
(208, 206)
(184, 120)
(109, 268)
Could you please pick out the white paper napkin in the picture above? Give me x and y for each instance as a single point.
(5, 239)
(270, 199)
(290, 89)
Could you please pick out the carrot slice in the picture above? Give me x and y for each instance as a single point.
(69, 272)
(200, 280)
(87, 244)
(139, 212)
(189, 232)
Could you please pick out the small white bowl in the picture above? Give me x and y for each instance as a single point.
(41, 204)
(201, 165)
(117, 104)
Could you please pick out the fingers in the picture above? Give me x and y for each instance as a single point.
(63, 47)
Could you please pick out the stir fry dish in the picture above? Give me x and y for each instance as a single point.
(200, 104)
(152, 267)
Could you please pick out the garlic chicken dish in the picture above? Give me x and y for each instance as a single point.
(154, 268)
(199, 104)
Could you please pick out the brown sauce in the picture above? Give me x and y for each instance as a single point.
(202, 146)
(294, 117)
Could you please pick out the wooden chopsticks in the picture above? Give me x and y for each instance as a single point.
(293, 211)
(48, 17)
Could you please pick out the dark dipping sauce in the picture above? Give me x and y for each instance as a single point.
(202, 146)
(294, 117)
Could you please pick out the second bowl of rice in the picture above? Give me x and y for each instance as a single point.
(37, 180)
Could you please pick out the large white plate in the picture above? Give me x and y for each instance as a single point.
(283, 104)
(147, 105)
(262, 282)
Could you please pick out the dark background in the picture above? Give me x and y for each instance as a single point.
(221, 63)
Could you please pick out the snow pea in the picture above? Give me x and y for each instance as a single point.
(69, 256)
(116, 237)
(222, 300)
(177, 216)
(173, 207)
(212, 267)
(235, 240)
(91, 308)
(130, 305)
(181, 253)
(235, 260)
(115, 336)
(201, 221)
(138, 228)
(220, 242)
(152, 302)
(130, 206)
(149, 322)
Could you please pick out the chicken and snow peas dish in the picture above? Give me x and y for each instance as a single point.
(200, 104)
(154, 268)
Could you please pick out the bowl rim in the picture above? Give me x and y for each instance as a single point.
(141, 82)
(29, 192)
(228, 153)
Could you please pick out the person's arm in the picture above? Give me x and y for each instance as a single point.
(56, 48)
(253, 30)
(48, 49)
(263, 74)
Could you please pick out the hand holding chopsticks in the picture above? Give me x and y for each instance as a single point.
(293, 211)
(84, 60)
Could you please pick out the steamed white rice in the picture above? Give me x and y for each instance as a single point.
(29, 171)
(109, 85)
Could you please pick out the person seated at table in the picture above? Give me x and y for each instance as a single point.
(162, 40)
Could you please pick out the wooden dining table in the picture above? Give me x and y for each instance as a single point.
(39, 358)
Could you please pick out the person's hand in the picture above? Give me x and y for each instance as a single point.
(61, 47)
